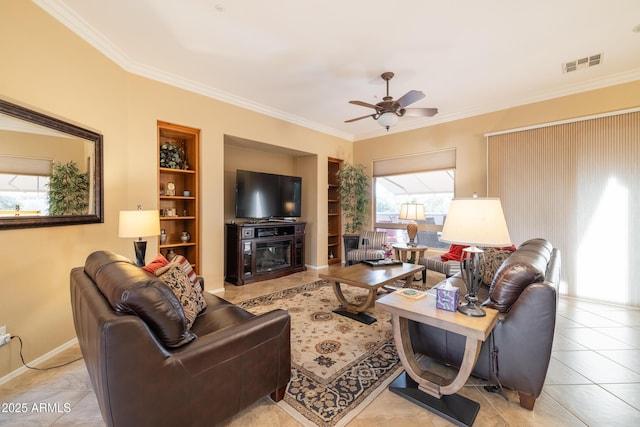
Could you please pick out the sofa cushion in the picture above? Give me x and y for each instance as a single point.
(189, 295)
(129, 289)
(524, 267)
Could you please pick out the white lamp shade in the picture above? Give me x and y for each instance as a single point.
(139, 223)
(412, 211)
(476, 222)
(388, 119)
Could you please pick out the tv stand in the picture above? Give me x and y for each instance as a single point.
(263, 250)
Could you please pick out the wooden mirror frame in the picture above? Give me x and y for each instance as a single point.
(22, 113)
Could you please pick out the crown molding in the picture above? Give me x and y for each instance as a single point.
(79, 26)
(75, 23)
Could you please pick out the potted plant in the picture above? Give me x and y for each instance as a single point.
(68, 190)
(354, 196)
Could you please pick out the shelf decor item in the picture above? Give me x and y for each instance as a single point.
(172, 157)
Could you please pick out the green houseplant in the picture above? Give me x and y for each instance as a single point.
(68, 190)
(354, 196)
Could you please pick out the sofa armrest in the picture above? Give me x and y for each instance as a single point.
(524, 338)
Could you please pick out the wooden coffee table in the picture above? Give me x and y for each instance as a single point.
(370, 278)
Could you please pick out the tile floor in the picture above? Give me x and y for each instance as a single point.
(593, 379)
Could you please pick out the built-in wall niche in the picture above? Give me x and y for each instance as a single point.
(245, 154)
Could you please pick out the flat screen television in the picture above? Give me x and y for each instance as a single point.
(262, 195)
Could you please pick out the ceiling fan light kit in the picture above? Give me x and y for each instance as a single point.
(388, 120)
(388, 110)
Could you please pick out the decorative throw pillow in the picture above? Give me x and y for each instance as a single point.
(454, 254)
(491, 262)
(191, 300)
(158, 262)
(185, 266)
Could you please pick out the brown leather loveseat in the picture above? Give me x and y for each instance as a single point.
(146, 368)
(517, 353)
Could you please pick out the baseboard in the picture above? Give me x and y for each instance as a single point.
(37, 361)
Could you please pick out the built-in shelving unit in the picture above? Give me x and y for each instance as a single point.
(334, 213)
(179, 190)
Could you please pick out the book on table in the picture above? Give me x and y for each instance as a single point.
(411, 293)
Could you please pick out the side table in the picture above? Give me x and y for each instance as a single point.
(406, 252)
(429, 390)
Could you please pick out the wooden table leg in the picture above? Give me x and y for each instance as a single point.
(354, 308)
(354, 311)
(431, 383)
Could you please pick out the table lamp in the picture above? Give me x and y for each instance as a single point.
(474, 222)
(139, 223)
(412, 212)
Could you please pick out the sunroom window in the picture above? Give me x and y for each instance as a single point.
(427, 179)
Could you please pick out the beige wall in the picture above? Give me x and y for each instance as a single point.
(467, 135)
(47, 68)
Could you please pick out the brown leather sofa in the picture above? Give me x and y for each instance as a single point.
(146, 368)
(516, 355)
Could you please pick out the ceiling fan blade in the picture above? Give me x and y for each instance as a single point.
(364, 104)
(423, 112)
(410, 97)
(359, 118)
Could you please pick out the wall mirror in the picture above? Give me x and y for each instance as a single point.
(50, 171)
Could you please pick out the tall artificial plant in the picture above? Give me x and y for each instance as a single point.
(354, 196)
(68, 190)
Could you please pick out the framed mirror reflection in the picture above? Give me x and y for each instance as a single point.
(50, 170)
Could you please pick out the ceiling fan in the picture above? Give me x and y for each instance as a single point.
(388, 110)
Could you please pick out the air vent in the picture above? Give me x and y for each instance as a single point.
(579, 64)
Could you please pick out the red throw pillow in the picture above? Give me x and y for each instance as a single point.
(159, 261)
(454, 254)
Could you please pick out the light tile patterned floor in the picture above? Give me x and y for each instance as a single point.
(593, 379)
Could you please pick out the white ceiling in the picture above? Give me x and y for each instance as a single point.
(302, 61)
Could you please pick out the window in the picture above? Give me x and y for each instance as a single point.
(26, 194)
(23, 185)
(433, 189)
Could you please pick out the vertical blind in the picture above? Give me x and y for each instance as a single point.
(576, 184)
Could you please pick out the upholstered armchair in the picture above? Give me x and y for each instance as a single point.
(369, 247)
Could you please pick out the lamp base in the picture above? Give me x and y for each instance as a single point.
(140, 247)
(472, 310)
(412, 231)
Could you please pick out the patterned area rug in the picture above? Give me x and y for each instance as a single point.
(338, 365)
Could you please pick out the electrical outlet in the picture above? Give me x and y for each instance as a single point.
(4, 336)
